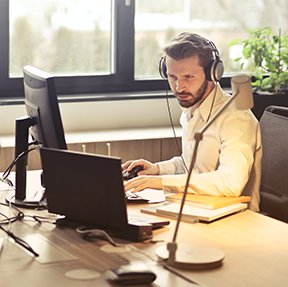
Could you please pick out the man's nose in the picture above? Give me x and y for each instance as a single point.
(180, 86)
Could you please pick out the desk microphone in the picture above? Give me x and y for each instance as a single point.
(190, 256)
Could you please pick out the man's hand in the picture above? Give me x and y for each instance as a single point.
(148, 167)
(142, 182)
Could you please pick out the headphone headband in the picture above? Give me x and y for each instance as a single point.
(213, 71)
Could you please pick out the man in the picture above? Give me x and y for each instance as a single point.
(229, 156)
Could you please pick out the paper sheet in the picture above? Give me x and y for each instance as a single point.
(153, 195)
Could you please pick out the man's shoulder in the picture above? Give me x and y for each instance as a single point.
(238, 117)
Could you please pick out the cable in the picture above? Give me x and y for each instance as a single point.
(178, 273)
(8, 182)
(11, 165)
(213, 101)
(20, 241)
(17, 216)
(7, 220)
(91, 233)
(173, 129)
(172, 124)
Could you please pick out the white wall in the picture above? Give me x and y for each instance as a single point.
(93, 116)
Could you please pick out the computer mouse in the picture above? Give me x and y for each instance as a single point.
(135, 198)
(132, 173)
(131, 275)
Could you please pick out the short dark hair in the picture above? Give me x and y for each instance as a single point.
(186, 45)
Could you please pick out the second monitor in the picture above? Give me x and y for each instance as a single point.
(43, 122)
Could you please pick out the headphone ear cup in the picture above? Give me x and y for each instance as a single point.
(163, 68)
(214, 70)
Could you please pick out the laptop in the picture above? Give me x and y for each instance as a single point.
(87, 189)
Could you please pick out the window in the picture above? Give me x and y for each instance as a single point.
(60, 36)
(114, 46)
(221, 21)
(86, 44)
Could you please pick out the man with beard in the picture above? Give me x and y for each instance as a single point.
(229, 155)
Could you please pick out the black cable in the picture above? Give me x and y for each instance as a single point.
(20, 216)
(7, 181)
(213, 101)
(8, 220)
(11, 165)
(20, 241)
(173, 128)
(172, 124)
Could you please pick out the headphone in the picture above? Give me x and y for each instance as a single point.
(213, 71)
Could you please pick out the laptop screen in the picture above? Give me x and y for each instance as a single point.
(86, 188)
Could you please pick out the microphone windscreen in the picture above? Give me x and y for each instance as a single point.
(241, 85)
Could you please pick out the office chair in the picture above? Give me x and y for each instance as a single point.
(274, 179)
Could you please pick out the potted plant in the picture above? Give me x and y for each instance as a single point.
(266, 55)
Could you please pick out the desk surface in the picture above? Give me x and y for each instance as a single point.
(255, 247)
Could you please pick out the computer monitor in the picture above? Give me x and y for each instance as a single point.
(43, 122)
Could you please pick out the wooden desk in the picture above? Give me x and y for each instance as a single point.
(255, 246)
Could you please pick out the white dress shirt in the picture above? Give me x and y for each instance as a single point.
(229, 156)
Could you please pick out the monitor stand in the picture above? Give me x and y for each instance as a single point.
(34, 199)
(19, 197)
(35, 203)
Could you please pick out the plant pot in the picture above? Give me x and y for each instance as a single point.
(263, 100)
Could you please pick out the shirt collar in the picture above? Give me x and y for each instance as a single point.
(213, 100)
(205, 106)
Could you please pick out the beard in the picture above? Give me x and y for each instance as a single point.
(193, 98)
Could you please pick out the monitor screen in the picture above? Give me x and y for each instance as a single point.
(43, 122)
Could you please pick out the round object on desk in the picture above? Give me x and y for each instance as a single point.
(82, 274)
(192, 257)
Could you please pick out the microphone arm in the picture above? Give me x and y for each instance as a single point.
(172, 246)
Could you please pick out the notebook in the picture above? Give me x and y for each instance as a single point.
(88, 190)
(191, 213)
(207, 201)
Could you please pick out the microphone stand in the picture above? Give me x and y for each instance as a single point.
(214, 256)
(172, 246)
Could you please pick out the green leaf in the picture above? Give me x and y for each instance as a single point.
(266, 54)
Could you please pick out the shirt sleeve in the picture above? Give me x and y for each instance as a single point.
(237, 132)
(175, 165)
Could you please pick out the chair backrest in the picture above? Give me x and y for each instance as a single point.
(274, 179)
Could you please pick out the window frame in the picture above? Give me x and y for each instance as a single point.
(121, 82)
